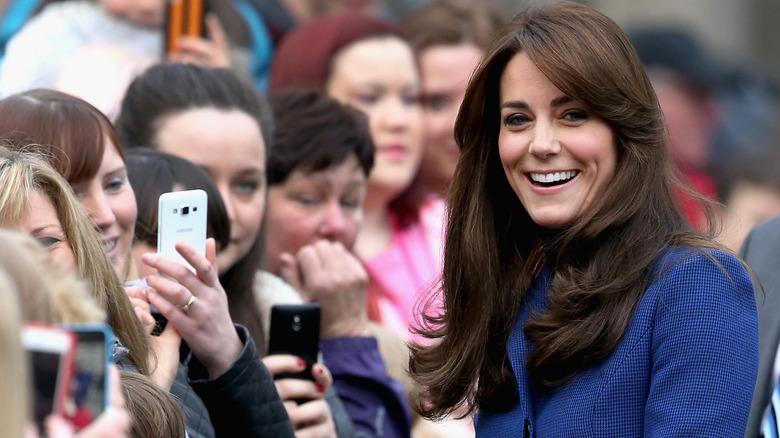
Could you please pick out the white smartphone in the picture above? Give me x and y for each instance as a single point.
(181, 217)
(51, 351)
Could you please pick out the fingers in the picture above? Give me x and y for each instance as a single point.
(212, 52)
(283, 363)
(205, 268)
(291, 389)
(142, 309)
(298, 389)
(211, 252)
(166, 349)
(322, 376)
(58, 427)
(115, 386)
(290, 271)
(311, 415)
(216, 33)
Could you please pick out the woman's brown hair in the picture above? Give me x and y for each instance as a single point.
(452, 22)
(67, 129)
(494, 251)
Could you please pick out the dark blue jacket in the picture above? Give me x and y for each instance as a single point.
(685, 367)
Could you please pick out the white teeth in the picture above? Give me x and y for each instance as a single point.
(108, 245)
(553, 176)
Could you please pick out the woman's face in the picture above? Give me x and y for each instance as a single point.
(43, 223)
(445, 70)
(558, 157)
(229, 146)
(379, 76)
(109, 201)
(310, 206)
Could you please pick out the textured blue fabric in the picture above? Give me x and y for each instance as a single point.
(375, 402)
(685, 367)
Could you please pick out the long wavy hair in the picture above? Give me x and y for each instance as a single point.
(493, 249)
(23, 172)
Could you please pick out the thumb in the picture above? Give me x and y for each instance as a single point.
(290, 271)
(170, 334)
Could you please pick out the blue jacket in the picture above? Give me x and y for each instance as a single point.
(685, 367)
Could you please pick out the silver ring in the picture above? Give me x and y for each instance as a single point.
(189, 303)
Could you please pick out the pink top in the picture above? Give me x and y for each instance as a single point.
(401, 274)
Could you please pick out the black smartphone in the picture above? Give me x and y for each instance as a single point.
(295, 329)
(183, 17)
(90, 384)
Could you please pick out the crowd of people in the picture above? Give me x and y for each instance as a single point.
(540, 226)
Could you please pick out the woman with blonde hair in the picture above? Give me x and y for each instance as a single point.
(14, 399)
(35, 289)
(29, 186)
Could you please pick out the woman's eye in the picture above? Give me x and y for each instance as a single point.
(516, 120)
(247, 187)
(436, 102)
(367, 99)
(115, 184)
(47, 242)
(411, 99)
(575, 115)
(350, 203)
(306, 201)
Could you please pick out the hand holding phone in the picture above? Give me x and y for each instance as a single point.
(183, 17)
(295, 329)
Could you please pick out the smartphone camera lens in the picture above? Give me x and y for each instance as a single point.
(296, 325)
(185, 210)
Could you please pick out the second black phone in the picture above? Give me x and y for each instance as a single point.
(295, 329)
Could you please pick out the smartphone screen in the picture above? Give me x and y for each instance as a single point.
(90, 380)
(51, 350)
(46, 369)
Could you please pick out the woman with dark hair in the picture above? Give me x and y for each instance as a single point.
(577, 300)
(318, 169)
(223, 125)
(364, 62)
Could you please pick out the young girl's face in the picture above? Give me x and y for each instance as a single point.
(146, 13)
(379, 77)
(229, 147)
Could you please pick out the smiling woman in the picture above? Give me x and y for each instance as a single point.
(84, 148)
(557, 154)
(577, 298)
(36, 199)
